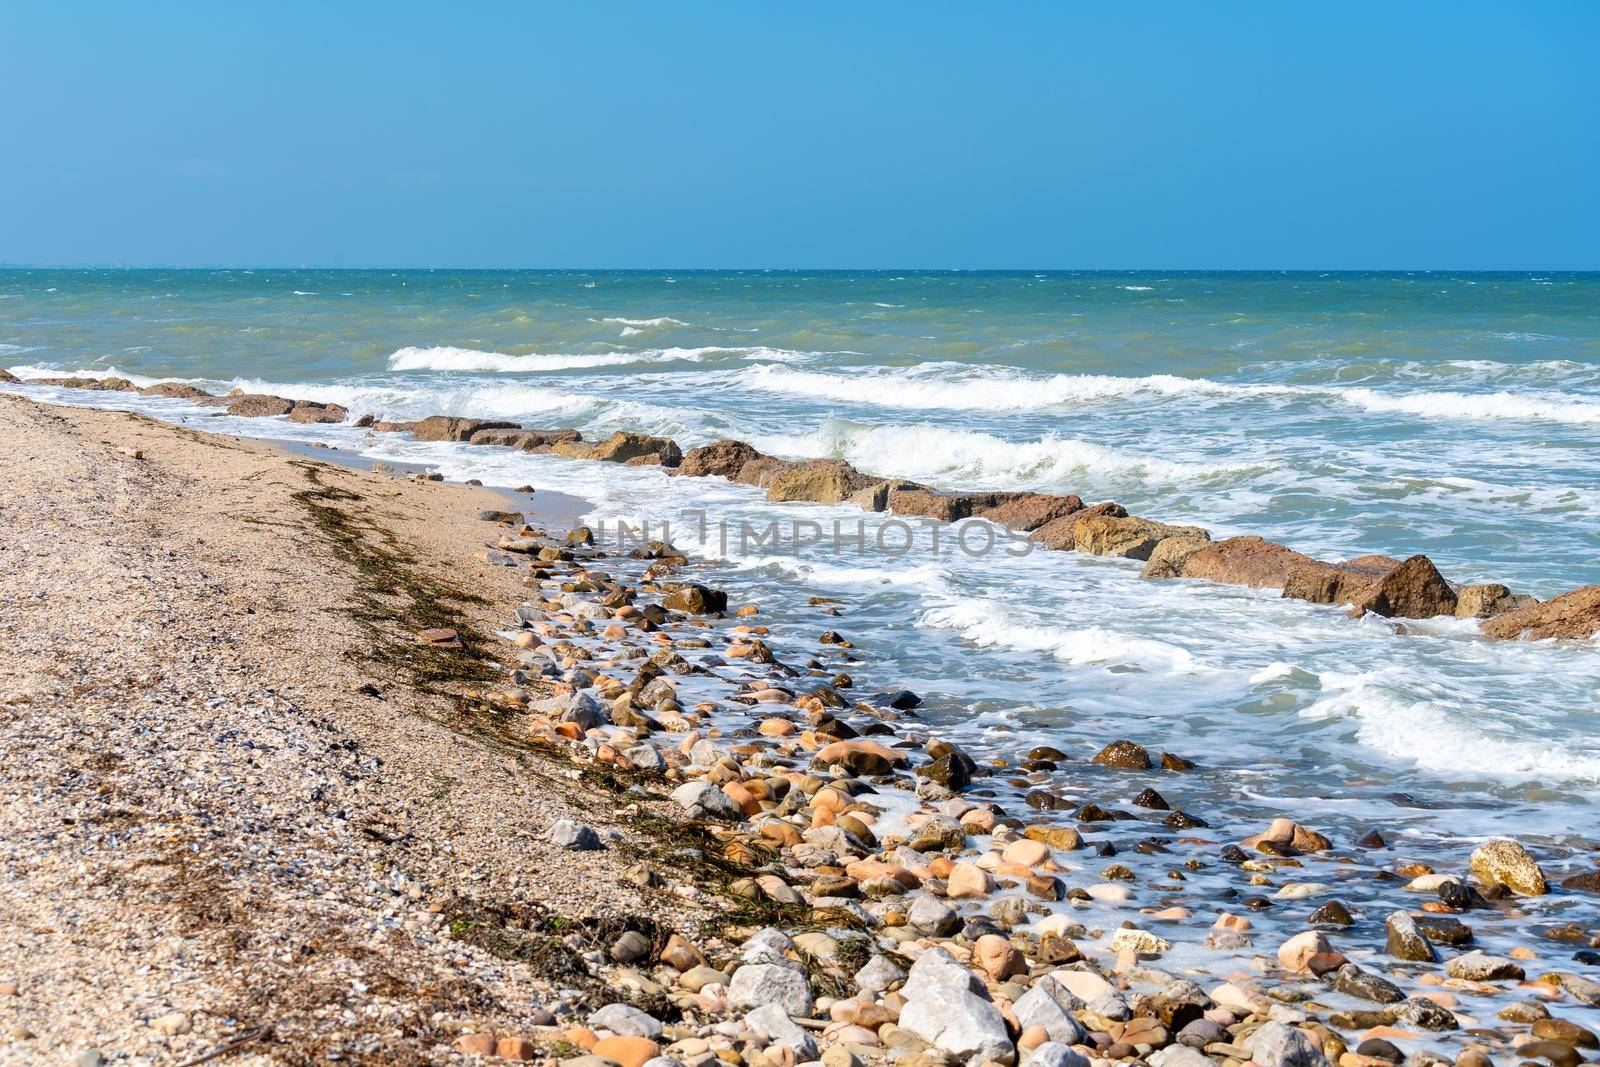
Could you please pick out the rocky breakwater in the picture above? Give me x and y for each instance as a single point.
(893, 897)
(1369, 585)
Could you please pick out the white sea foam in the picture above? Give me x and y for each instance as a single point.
(660, 321)
(449, 358)
(964, 387)
(1439, 734)
(980, 460)
(990, 624)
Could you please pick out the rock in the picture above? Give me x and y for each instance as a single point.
(1506, 863)
(702, 800)
(1248, 561)
(259, 406)
(1486, 601)
(476, 1044)
(933, 917)
(936, 970)
(1406, 941)
(722, 458)
(624, 447)
(1476, 967)
(946, 507)
(1277, 1045)
(309, 411)
(1050, 1005)
(1337, 583)
(520, 1048)
(1287, 837)
(626, 1020)
(998, 958)
(1170, 554)
(1140, 941)
(1124, 754)
(1026, 512)
(1058, 1054)
(1129, 537)
(631, 947)
(627, 1050)
(1413, 590)
(774, 1024)
(1333, 913)
(569, 833)
(878, 974)
(1178, 1056)
(1574, 615)
(1353, 981)
(173, 390)
(1568, 1033)
(1423, 1014)
(822, 481)
(173, 1023)
(757, 984)
(1295, 954)
(960, 1023)
(1557, 1052)
(448, 428)
(968, 881)
(695, 599)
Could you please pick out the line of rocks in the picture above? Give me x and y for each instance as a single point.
(1381, 585)
(920, 920)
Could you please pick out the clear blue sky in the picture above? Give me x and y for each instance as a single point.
(1118, 134)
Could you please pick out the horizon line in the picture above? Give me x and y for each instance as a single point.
(791, 270)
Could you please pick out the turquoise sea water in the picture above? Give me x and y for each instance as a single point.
(1456, 415)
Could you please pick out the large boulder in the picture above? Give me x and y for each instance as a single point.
(1026, 512)
(1486, 600)
(309, 411)
(875, 497)
(920, 502)
(756, 984)
(1571, 615)
(174, 391)
(522, 440)
(449, 428)
(624, 447)
(722, 458)
(259, 405)
(1413, 590)
(1251, 561)
(7, 376)
(1127, 536)
(1506, 863)
(821, 481)
(960, 1024)
(1337, 583)
(1170, 554)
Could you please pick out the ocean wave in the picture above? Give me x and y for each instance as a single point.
(964, 387)
(979, 460)
(31, 371)
(990, 624)
(1435, 735)
(449, 358)
(659, 321)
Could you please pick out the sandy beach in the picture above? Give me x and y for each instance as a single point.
(238, 796)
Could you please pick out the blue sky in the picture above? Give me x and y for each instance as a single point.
(1116, 135)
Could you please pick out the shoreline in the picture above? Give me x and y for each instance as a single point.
(731, 781)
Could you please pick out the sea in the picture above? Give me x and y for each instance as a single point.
(1456, 415)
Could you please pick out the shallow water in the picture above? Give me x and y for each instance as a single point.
(1344, 414)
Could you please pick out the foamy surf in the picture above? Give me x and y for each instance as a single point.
(448, 358)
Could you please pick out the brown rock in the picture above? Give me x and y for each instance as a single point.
(174, 390)
(448, 428)
(1413, 590)
(522, 440)
(822, 481)
(1574, 615)
(1125, 754)
(628, 1051)
(1488, 600)
(946, 507)
(1170, 554)
(624, 447)
(1250, 561)
(517, 1048)
(1286, 835)
(310, 411)
(998, 958)
(1128, 536)
(1026, 512)
(7, 376)
(1337, 583)
(695, 599)
(476, 1044)
(723, 458)
(259, 406)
